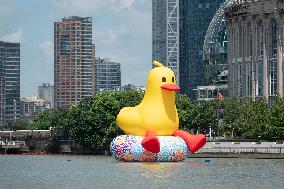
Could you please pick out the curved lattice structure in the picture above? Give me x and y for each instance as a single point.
(215, 46)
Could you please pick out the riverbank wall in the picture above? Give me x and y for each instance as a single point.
(253, 150)
(42, 142)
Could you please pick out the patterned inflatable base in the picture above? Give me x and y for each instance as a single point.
(129, 148)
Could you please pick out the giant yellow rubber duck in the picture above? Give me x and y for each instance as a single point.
(157, 113)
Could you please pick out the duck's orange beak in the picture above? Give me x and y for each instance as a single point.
(170, 87)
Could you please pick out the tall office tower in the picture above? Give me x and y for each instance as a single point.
(195, 17)
(74, 57)
(107, 75)
(165, 33)
(2, 87)
(46, 92)
(9, 82)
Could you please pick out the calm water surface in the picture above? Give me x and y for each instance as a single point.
(76, 172)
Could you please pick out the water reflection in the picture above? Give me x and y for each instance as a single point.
(105, 172)
(160, 171)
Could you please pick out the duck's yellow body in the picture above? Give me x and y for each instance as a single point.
(157, 112)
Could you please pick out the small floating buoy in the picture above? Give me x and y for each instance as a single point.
(207, 161)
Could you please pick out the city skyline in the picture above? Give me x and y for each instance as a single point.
(117, 33)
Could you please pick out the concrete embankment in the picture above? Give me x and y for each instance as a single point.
(236, 155)
(254, 150)
(41, 142)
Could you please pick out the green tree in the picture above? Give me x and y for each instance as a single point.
(275, 129)
(62, 122)
(95, 118)
(19, 124)
(253, 119)
(260, 119)
(43, 120)
(231, 115)
(204, 115)
(185, 109)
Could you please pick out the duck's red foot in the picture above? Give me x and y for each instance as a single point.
(194, 142)
(151, 142)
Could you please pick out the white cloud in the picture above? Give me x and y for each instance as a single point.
(46, 49)
(124, 3)
(110, 38)
(80, 6)
(94, 6)
(122, 31)
(15, 36)
(5, 9)
(120, 5)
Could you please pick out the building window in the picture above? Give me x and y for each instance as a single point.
(236, 43)
(249, 79)
(272, 77)
(273, 39)
(240, 81)
(259, 45)
(259, 83)
(239, 38)
(249, 40)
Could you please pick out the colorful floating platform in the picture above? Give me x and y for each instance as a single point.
(129, 148)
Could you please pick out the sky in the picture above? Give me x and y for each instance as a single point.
(122, 31)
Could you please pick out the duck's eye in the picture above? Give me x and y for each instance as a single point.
(164, 79)
(173, 79)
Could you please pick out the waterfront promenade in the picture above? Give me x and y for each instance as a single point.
(38, 141)
(255, 150)
(243, 147)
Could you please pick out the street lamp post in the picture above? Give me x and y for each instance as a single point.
(210, 132)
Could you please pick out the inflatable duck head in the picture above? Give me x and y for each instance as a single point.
(161, 77)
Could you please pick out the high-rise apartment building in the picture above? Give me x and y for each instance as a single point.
(74, 54)
(46, 92)
(195, 17)
(165, 33)
(9, 81)
(107, 75)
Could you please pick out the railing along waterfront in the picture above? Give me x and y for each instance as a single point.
(246, 147)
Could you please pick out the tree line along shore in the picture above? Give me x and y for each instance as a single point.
(92, 123)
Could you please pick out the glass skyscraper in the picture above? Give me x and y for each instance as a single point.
(165, 33)
(178, 31)
(195, 17)
(9, 82)
(74, 57)
(107, 75)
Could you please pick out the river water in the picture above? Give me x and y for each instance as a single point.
(76, 172)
